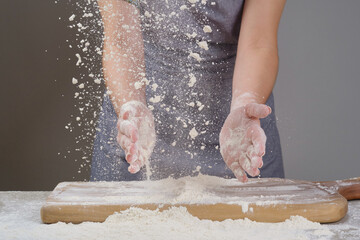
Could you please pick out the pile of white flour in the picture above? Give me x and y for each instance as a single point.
(177, 223)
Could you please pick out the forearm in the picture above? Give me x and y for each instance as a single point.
(254, 75)
(123, 56)
(257, 59)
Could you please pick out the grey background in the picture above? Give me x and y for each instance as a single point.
(37, 96)
(316, 93)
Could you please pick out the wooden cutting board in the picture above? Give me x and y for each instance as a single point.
(263, 200)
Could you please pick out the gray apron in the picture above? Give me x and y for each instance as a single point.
(185, 106)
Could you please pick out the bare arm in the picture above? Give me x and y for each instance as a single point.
(124, 70)
(242, 140)
(123, 57)
(256, 64)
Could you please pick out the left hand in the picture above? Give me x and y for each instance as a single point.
(136, 134)
(242, 140)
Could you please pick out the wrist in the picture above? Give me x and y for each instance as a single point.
(244, 98)
(129, 99)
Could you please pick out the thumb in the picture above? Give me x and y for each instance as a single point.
(256, 110)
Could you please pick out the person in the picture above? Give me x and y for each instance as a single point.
(189, 90)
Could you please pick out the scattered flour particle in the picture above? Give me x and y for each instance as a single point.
(203, 2)
(81, 85)
(79, 25)
(147, 14)
(88, 15)
(193, 133)
(193, 35)
(192, 80)
(154, 86)
(193, 1)
(196, 56)
(76, 95)
(207, 29)
(141, 83)
(138, 85)
(74, 81)
(77, 118)
(97, 81)
(79, 59)
(207, 123)
(202, 147)
(203, 45)
(192, 104)
(155, 99)
(173, 144)
(183, 7)
(72, 17)
(125, 27)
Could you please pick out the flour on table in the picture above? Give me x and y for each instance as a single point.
(175, 223)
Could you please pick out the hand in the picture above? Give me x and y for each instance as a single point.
(136, 134)
(242, 140)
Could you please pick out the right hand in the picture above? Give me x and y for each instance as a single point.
(243, 141)
(136, 134)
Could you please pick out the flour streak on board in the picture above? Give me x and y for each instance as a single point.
(190, 190)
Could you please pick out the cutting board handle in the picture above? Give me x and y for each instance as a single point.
(348, 188)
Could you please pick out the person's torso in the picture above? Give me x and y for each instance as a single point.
(190, 85)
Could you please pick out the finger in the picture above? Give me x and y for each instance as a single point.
(129, 129)
(134, 167)
(245, 163)
(251, 166)
(132, 154)
(256, 110)
(240, 175)
(124, 142)
(236, 168)
(255, 172)
(258, 140)
(256, 162)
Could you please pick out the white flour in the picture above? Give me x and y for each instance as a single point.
(175, 223)
(20, 220)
